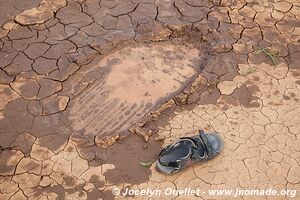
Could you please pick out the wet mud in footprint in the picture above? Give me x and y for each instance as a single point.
(136, 81)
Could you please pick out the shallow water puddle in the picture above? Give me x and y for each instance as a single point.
(139, 79)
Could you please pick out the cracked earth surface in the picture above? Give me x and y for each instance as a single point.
(88, 88)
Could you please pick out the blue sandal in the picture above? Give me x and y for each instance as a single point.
(188, 150)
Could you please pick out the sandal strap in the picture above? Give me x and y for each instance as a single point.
(209, 149)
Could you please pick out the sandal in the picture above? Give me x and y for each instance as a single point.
(188, 150)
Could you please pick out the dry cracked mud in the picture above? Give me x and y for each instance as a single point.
(89, 88)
